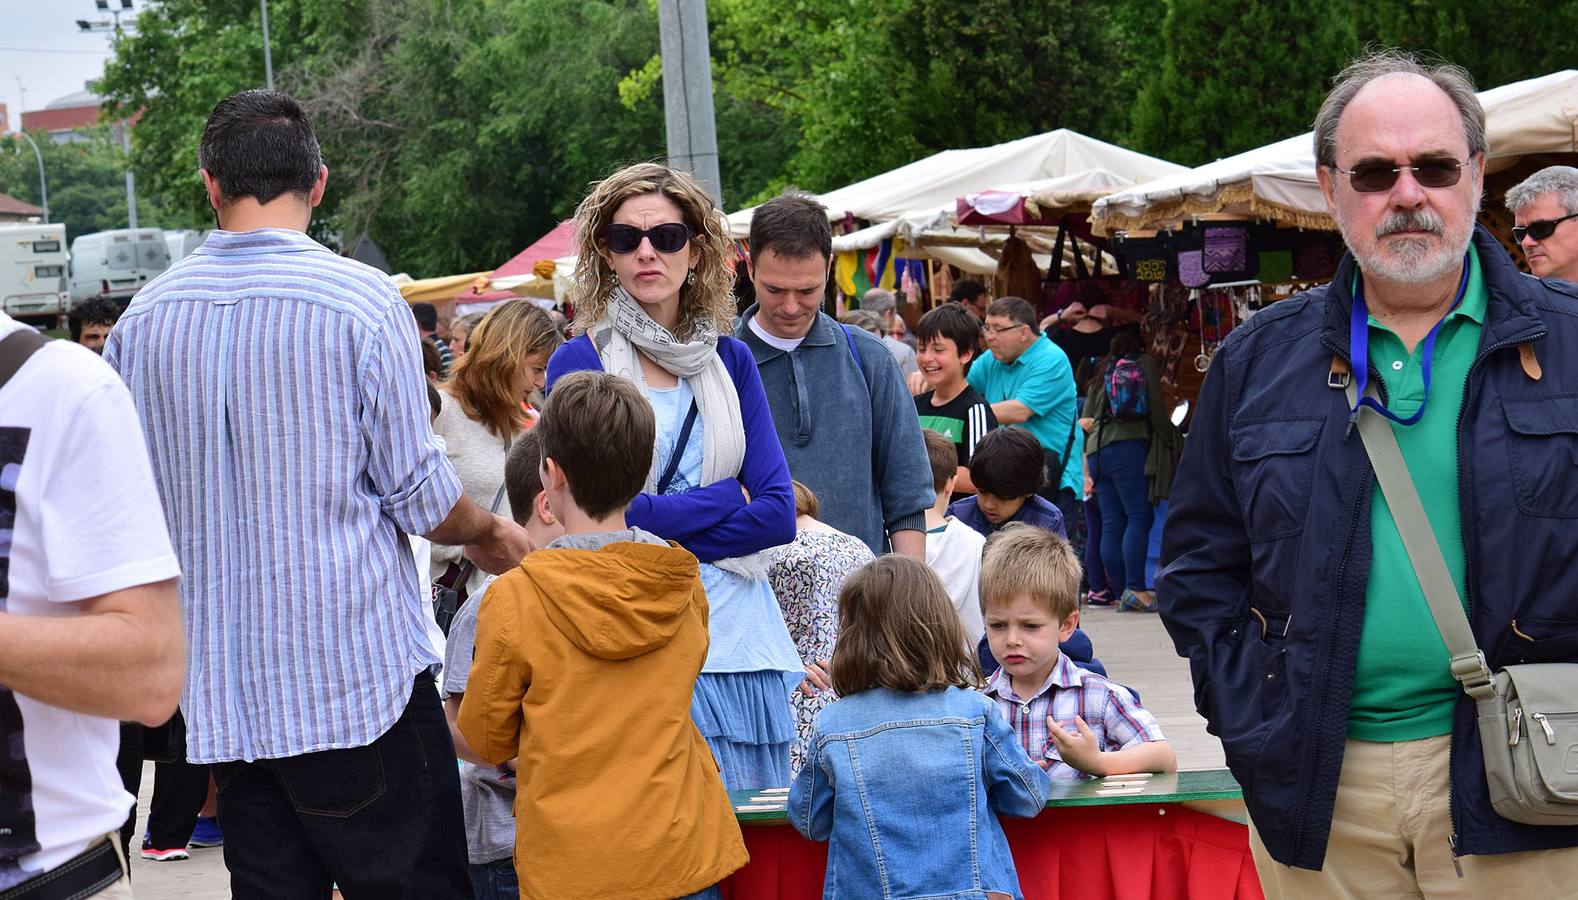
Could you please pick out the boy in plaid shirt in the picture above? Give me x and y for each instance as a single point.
(1074, 723)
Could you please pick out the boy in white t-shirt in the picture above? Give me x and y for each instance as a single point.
(953, 549)
(90, 622)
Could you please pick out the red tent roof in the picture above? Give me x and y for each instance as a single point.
(553, 245)
(11, 206)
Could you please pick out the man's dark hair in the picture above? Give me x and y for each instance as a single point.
(965, 290)
(523, 475)
(259, 144)
(943, 456)
(952, 322)
(426, 316)
(793, 225)
(93, 311)
(1016, 308)
(1008, 463)
(599, 430)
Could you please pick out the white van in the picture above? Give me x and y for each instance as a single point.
(116, 264)
(33, 262)
(182, 241)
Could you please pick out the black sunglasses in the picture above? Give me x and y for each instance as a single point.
(1370, 178)
(670, 237)
(1540, 230)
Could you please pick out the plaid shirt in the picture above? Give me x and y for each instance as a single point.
(1113, 714)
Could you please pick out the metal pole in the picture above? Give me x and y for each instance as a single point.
(131, 182)
(43, 188)
(687, 92)
(268, 58)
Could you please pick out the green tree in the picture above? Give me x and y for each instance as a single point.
(1238, 74)
(1498, 43)
(86, 179)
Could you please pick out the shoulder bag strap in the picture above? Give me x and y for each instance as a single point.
(1446, 606)
(679, 450)
(15, 350)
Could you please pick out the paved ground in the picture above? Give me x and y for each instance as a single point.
(1133, 646)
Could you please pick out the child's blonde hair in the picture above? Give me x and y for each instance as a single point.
(1026, 560)
(898, 630)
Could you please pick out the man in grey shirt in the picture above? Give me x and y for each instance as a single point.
(884, 303)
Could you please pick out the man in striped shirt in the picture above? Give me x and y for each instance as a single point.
(290, 482)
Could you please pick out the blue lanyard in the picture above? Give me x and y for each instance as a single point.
(1359, 350)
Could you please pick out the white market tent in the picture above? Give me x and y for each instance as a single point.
(1277, 182)
(936, 182)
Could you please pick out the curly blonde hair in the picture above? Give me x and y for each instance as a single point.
(484, 377)
(709, 299)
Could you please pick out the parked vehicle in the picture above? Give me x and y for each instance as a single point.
(183, 241)
(116, 264)
(33, 264)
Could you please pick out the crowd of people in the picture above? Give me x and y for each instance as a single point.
(506, 606)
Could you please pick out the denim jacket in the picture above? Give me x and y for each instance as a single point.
(907, 786)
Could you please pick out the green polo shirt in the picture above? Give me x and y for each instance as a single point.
(1402, 689)
(1042, 379)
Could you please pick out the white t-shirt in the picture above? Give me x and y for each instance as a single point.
(78, 493)
(954, 553)
(787, 345)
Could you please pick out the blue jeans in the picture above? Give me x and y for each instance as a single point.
(1126, 514)
(495, 880)
(384, 820)
(1095, 570)
(711, 893)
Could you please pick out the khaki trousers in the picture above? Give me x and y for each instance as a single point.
(1390, 837)
(120, 890)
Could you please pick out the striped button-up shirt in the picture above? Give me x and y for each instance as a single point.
(282, 392)
(1113, 714)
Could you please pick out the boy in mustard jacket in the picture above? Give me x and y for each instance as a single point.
(585, 663)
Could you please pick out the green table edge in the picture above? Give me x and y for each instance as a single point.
(1173, 787)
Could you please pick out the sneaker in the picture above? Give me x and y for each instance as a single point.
(207, 833)
(1132, 602)
(1100, 598)
(165, 855)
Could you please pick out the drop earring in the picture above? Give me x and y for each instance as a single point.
(691, 278)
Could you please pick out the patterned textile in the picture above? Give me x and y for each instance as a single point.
(289, 483)
(806, 577)
(1111, 711)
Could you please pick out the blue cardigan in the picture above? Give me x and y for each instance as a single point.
(715, 522)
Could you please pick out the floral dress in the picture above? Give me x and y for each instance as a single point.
(806, 577)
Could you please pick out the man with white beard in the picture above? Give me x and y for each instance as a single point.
(1285, 578)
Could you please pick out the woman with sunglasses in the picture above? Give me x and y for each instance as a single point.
(653, 303)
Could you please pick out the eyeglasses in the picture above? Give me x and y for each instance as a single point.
(994, 329)
(670, 237)
(1540, 230)
(1371, 178)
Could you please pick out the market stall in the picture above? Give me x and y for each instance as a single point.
(1155, 837)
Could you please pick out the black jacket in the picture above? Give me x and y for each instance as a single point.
(1270, 515)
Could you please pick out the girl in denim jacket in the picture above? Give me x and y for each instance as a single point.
(906, 774)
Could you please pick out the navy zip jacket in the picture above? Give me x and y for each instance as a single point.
(1266, 551)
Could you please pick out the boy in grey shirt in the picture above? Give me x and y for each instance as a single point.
(488, 792)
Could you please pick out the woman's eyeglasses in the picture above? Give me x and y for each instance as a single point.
(1371, 178)
(670, 237)
(1540, 230)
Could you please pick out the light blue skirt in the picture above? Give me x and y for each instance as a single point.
(746, 719)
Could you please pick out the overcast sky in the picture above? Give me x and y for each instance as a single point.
(41, 44)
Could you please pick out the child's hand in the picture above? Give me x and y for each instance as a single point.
(1082, 751)
(817, 678)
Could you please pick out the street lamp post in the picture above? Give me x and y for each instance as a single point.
(268, 58)
(43, 186)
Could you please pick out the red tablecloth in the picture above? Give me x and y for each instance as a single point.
(1138, 852)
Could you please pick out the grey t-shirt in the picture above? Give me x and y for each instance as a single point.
(487, 797)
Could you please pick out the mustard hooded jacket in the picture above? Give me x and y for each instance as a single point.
(586, 658)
